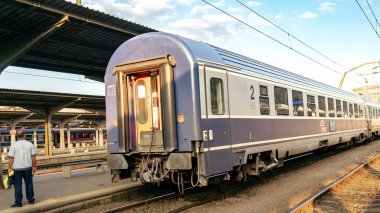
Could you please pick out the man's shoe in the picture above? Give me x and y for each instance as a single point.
(16, 205)
(31, 202)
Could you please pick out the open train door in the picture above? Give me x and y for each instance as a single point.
(217, 135)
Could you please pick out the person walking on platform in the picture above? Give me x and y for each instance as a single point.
(22, 160)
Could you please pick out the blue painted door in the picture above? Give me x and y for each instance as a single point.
(217, 132)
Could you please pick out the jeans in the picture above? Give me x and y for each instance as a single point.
(28, 179)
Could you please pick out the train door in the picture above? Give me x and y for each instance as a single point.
(217, 133)
(147, 111)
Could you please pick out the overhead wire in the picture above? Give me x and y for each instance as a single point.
(377, 22)
(273, 39)
(58, 78)
(281, 43)
(290, 35)
(368, 19)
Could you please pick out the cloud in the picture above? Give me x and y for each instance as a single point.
(327, 7)
(207, 28)
(185, 2)
(235, 9)
(134, 9)
(253, 3)
(220, 3)
(308, 15)
(279, 16)
(255, 20)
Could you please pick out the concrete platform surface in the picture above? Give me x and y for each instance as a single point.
(52, 189)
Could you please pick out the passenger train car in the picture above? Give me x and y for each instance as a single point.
(185, 109)
(77, 135)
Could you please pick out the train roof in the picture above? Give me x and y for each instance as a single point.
(249, 66)
(199, 52)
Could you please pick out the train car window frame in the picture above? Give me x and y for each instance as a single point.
(281, 100)
(350, 110)
(356, 114)
(345, 109)
(338, 105)
(361, 107)
(217, 96)
(321, 106)
(331, 107)
(298, 109)
(311, 108)
(264, 100)
(142, 101)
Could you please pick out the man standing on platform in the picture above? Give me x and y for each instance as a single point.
(22, 160)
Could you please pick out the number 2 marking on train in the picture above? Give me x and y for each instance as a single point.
(253, 91)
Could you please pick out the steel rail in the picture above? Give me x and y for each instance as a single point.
(307, 204)
(138, 203)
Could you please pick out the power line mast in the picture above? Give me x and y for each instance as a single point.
(361, 65)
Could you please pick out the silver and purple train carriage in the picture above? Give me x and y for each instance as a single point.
(183, 108)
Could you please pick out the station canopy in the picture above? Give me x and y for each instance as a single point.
(60, 36)
(31, 108)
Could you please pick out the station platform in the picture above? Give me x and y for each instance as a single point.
(53, 189)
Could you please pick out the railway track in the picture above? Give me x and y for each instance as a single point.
(357, 191)
(198, 196)
(153, 197)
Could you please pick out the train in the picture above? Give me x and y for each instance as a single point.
(78, 135)
(185, 111)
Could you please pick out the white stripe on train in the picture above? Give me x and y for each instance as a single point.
(276, 140)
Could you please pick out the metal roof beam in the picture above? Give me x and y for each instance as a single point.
(80, 43)
(16, 47)
(72, 60)
(57, 68)
(85, 44)
(90, 21)
(54, 94)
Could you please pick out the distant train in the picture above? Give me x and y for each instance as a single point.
(78, 135)
(185, 110)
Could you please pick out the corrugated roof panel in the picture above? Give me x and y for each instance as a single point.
(78, 39)
(277, 74)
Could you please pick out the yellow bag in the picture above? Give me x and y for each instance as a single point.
(6, 181)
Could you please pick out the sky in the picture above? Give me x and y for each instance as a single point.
(337, 29)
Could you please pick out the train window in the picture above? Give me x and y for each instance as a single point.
(361, 111)
(141, 108)
(264, 100)
(345, 111)
(311, 106)
(297, 103)
(322, 106)
(370, 112)
(281, 101)
(356, 110)
(338, 104)
(263, 90)
(330, 103)
(350, 111)
(217, 100)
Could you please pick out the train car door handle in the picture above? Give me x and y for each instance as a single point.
(210, 135)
